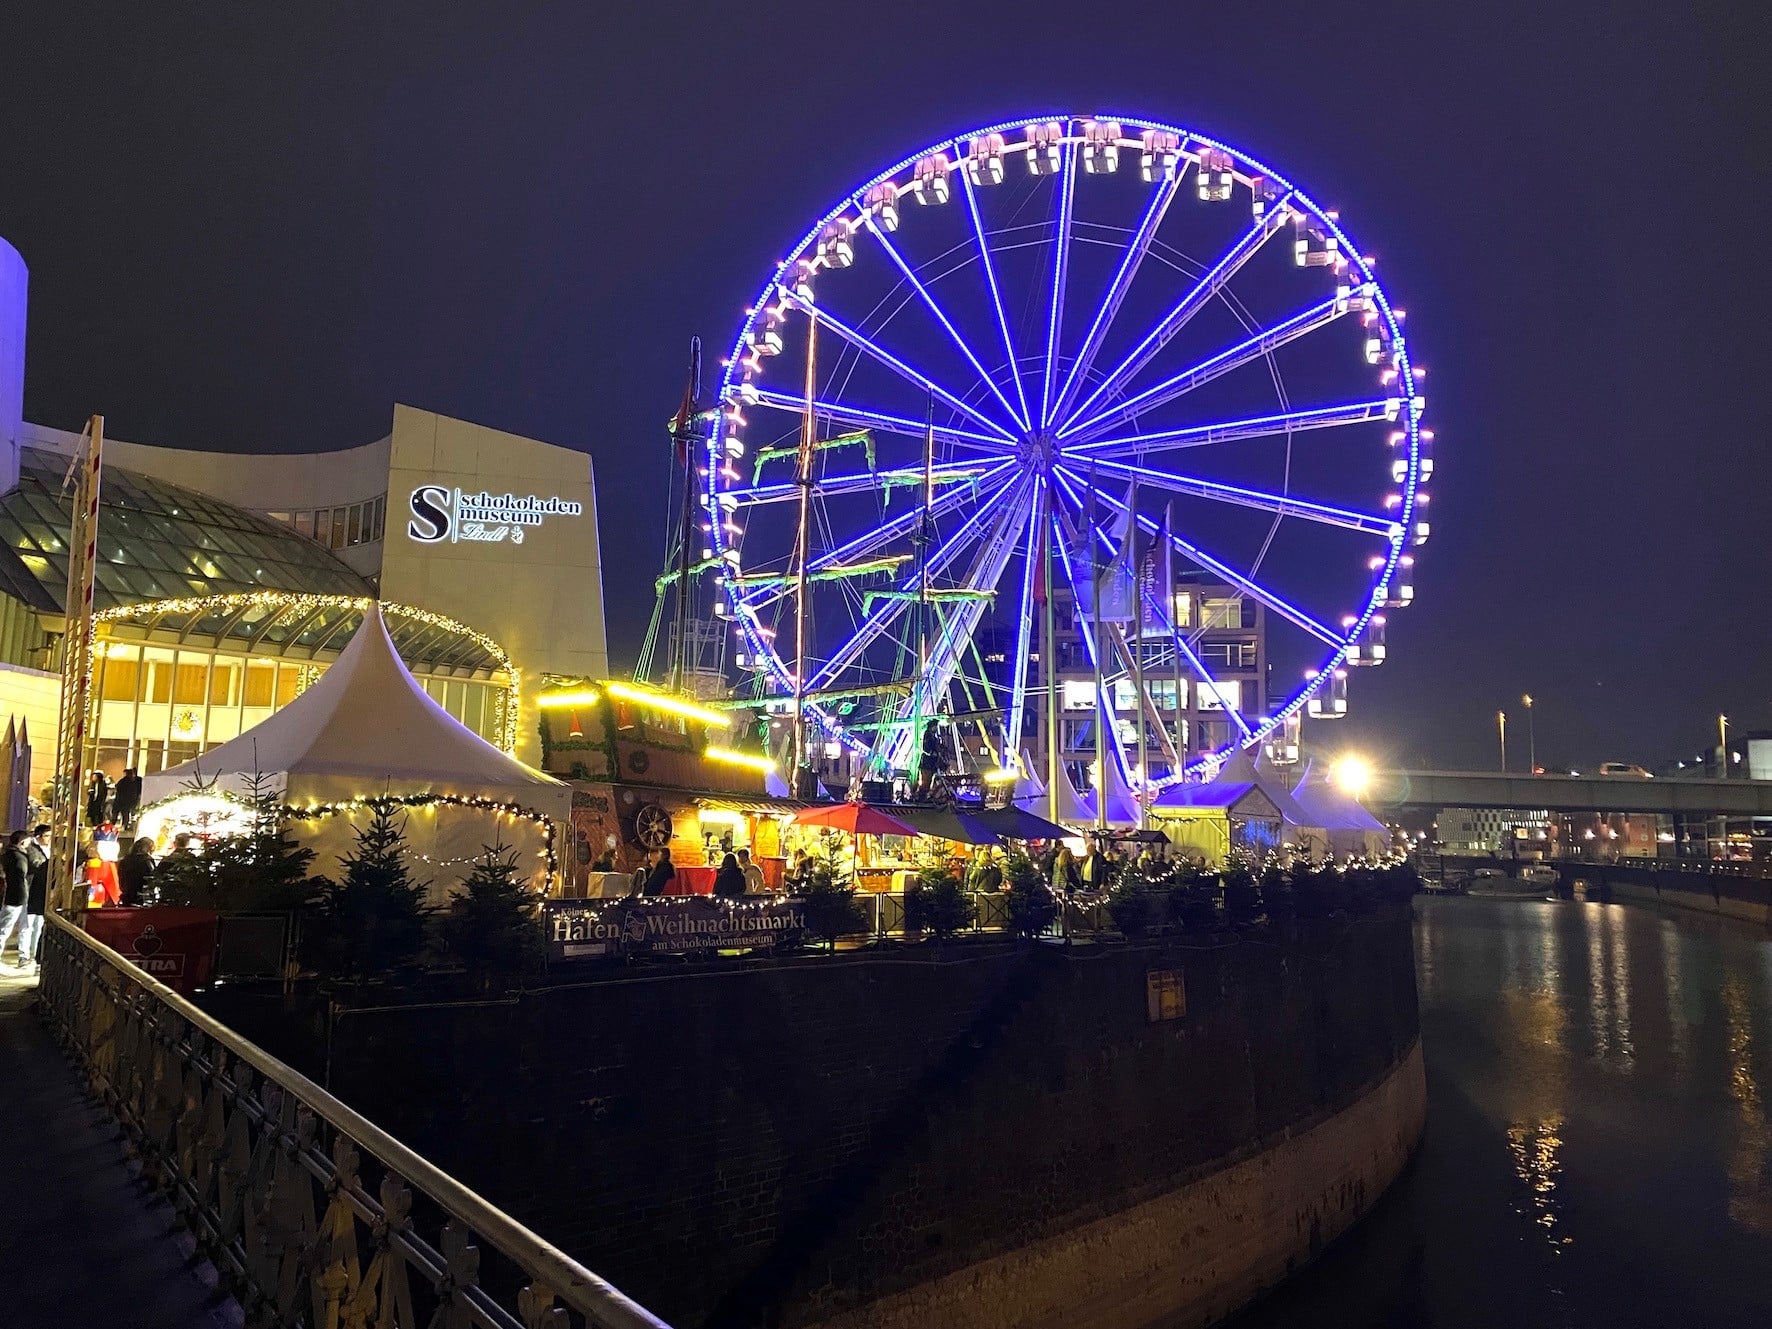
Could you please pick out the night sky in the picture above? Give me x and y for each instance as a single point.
(257, 227)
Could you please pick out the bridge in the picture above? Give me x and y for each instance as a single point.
(1400, 789)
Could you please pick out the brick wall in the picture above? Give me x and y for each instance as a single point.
(774, 1143)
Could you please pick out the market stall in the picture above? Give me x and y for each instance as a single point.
(365, 732)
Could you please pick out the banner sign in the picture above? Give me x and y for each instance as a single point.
(174, 945)
(594, 929)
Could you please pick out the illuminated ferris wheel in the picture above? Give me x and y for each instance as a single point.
(1061, 352)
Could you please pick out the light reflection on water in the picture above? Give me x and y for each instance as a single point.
(1599, 1146)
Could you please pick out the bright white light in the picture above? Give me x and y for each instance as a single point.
(1352, 774)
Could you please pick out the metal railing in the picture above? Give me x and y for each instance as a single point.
(311, 1213)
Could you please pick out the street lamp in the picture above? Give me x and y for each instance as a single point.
(1723, 745)
(1531, 738)
(1501, 726)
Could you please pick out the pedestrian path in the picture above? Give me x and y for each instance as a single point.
(82, 1241)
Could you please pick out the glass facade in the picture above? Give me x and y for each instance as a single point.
(340, 527)
(157, 542)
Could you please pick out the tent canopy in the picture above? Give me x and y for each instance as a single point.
(366, 728)
(1331, 808)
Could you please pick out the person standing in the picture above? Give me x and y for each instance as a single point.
(729, 880)
(753, 874)
(98, 800)
(17, 868)
(30, 932)
(133, 871)
(660, 874)
(127, 800)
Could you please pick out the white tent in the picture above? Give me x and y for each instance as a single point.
(1351, 829)
(367, 729)
(1061, 805)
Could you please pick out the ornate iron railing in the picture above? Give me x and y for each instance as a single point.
(311, 1214)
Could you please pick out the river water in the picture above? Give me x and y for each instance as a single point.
(1599, 1137)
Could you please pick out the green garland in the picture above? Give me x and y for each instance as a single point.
(862, 436)
(867, 600)
(667, 578)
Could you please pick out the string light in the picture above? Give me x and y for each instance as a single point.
(660, 701)
(568, 700)
(199, 606)
(749, 760)
(315, 811)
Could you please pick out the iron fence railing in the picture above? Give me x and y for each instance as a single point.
(312, 1214)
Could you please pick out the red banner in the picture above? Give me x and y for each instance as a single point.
(176, 946)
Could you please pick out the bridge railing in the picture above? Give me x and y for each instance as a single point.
(310, 1213)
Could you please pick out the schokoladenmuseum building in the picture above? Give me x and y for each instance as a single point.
(227, 582)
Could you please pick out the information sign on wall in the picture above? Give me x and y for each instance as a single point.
(442, 513)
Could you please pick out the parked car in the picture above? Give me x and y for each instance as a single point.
(1625, 769)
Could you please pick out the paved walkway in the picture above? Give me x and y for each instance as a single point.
(82, 1242)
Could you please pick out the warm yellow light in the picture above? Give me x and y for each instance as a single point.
(1003, 776)
(659, 701)
(551, 701)
(1353, 774)
(749, 760)
(720, 817)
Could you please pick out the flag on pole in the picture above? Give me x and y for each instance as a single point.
(1157, 574)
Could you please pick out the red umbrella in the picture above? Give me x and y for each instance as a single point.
(856, 818)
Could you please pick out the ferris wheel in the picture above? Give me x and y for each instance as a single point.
(1061, 352)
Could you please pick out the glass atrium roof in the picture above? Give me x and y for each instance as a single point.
(157, 541)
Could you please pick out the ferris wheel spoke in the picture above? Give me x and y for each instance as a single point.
(988, 487)
(856, 417)
(858, 482)
(1074, 485)
(876, 622)
(863, 343)
(1067, 198)
(1088, 632)
(941, 317)
(1136, 249)
(1178, 317)
(1250, 348)
(1284, 504)
(1179, 642)
(1024, 634)
(990, 277)
(1227, 431)
(958, 628)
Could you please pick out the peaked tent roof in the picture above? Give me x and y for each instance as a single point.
(367, 727)
(1122, 807)
(1328, 806)
(1273, 784)
(1061, 805)
(1242, 796)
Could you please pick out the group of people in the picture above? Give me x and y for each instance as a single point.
(738, 875)
(26, 863)
(116, 803)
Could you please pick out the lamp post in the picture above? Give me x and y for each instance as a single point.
(1723, 765)
(1531, 738)
(1501, 726)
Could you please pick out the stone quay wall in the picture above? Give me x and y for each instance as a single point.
(1104, 1135)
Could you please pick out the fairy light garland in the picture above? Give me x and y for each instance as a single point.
(377, 802)
(200, 605)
